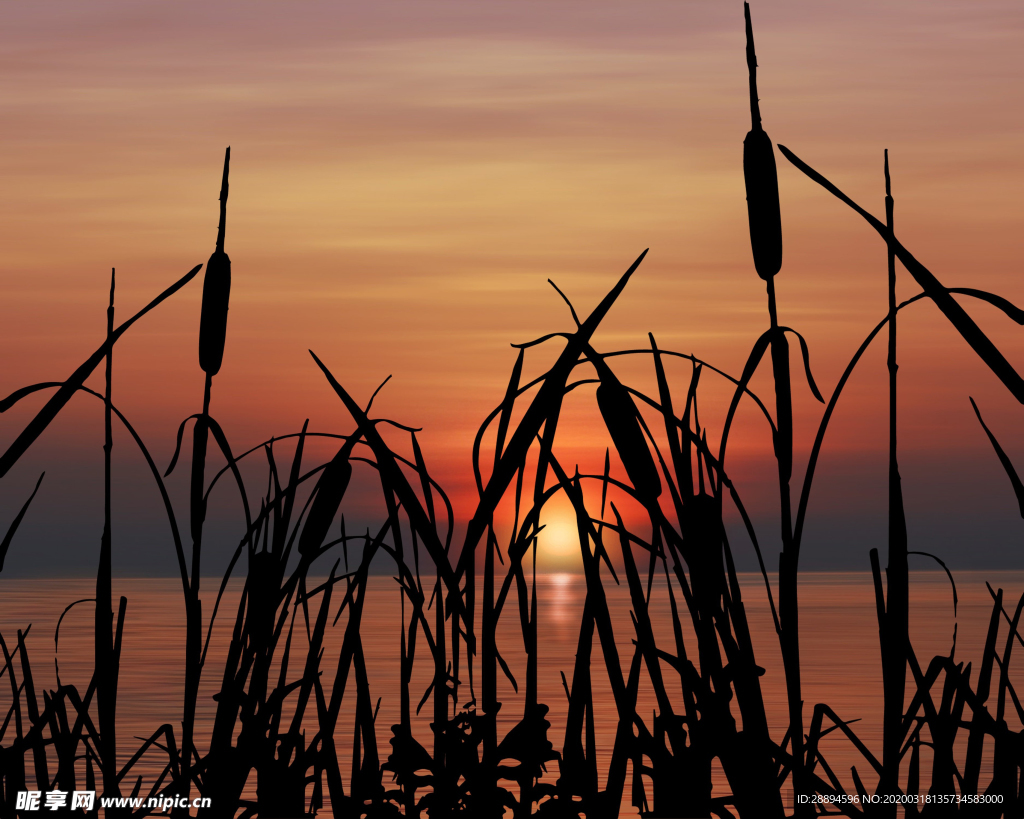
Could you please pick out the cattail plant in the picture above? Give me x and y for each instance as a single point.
(212, 332)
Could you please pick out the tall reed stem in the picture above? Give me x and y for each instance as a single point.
(763, 211)
(896, 625)
(789, 612)
(193, 603)
(489, 685)
(105, 661)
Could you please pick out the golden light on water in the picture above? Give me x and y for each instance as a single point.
(561, 580)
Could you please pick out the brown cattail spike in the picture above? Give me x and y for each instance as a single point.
(620, 416)
(330, 489)
(761, 178)
(213, 323)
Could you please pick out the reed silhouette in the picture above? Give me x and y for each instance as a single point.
(273, 749)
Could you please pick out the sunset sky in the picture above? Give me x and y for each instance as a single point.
(405, 178)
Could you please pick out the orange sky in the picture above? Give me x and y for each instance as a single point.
(406, 177)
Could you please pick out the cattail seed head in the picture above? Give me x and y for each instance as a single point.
(763, 213)
(620, 416)
(213, 323)
(329, 491)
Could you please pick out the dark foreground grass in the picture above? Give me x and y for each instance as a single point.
(280, 708)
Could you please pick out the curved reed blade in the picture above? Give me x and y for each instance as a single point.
(544, 405)
(392, 474)
(958, 317)
(1012, 312)
(16, 396)
(1011, 473)
(6, 544)
(56, 403)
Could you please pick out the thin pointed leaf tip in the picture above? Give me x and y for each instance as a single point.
(761, 179)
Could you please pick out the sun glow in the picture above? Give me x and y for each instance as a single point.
(559, 540)
(559, 537)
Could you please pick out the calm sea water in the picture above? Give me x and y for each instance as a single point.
(839, 645)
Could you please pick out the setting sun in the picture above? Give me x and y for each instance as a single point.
(559, 537)
(558, 542)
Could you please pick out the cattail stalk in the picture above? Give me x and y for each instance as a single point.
(897, 611)
(441, 694)
(489, 677)
(212, 332)
(764, 215)
(105, 664)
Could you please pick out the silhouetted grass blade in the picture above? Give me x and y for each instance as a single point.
(5, 545)
(396, 480)
(1011, 473)
(77, 378)
(542, 408)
